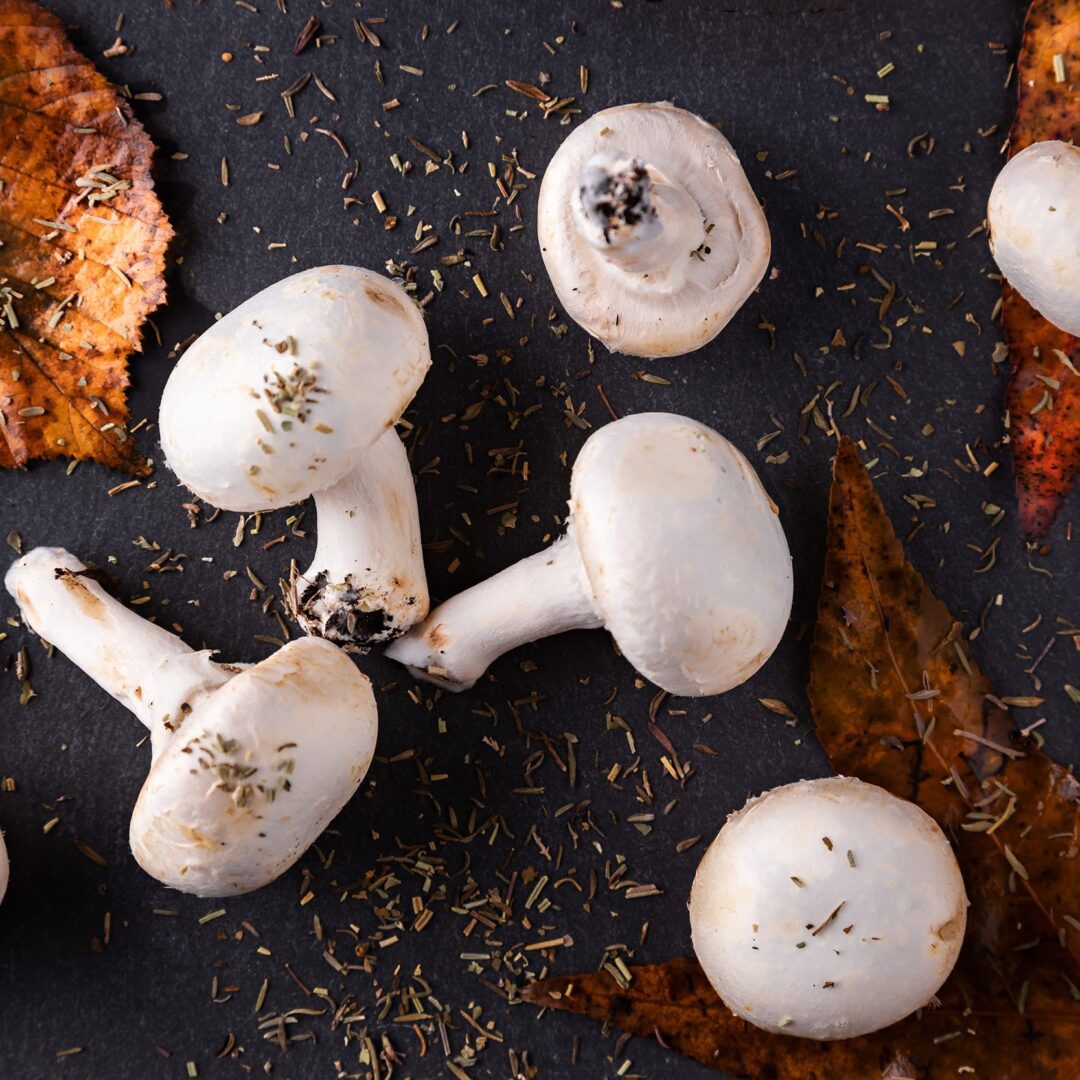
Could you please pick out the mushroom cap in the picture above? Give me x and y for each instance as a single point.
(1034, 214)
(346, 347)
(779, 952)
(298, 729)
(683, 550)
(628, 312)
(3, 867)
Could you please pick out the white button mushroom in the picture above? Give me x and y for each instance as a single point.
(1034, 214)
(828, 909)
(249, 764)
(650, 231)
(671, 543)
(295, 393)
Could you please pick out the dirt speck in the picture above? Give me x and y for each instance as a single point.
(384, 298)
(91, 605)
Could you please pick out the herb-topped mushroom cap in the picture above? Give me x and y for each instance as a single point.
(256, 772)
(249, 764)
(282, 397)
(828, 909)
(296, 393)
(649, 229)
(1034, 215)
(683, 549)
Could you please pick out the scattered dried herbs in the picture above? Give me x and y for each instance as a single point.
(1014, 985)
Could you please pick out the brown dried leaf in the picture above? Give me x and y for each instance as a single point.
(675, 1003)
(883, 637)
(1010, 1009)
(1044, 418)
(74, 295)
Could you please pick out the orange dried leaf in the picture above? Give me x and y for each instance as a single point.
(1010, 1009)
(1043, 398)
(1046, 108)
(82, 248)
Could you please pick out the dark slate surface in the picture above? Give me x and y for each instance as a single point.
(769, 72)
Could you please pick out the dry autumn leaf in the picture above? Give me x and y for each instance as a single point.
(82, 248)
(898, 702)
(1044, 392)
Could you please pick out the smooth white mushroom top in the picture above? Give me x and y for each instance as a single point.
(282, 396)
(828, 909)
(698, 248)
(1034, 214)
(683, 550)
(256, 771)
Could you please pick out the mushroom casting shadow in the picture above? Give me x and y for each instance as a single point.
(249, 762)
(671, 543)
(828, 909)
(296, 393)
(649, 229)
(1034, 218)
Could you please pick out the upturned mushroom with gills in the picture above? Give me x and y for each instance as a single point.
(828, 909)
(1034, 218)
(671, 543)
(295, 393)
(249, 763)
(649, 229)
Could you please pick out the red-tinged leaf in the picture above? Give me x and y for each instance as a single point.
(82, 248)
(898, 702)
(1043, 398)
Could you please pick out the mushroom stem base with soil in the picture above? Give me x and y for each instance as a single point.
(295, 393)
(649, 229)
(542, 595)
(637, 218)
(366, 582)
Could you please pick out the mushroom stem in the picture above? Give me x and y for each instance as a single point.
(636, 217)
(147, 669)
(544, 594)
(366, 581)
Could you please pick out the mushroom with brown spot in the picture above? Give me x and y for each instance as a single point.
(249, 763)
(671, 543)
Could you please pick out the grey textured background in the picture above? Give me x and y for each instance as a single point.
(763, 69)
